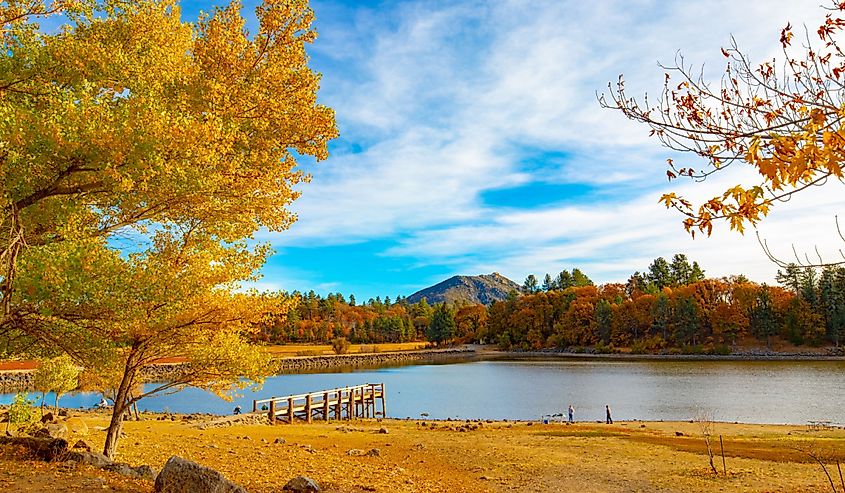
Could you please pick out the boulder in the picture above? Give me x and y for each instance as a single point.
(383, 431)
(48, 418)
(82, 445)
(90, 458)
(140, 472)
(374, 453)
(183, 476)
(48, 449)
(77, 425)
(301, 484)
(52, 430)
(355, 452)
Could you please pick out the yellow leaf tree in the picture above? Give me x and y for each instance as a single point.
(138, 155)
(59, 375)
(783, 119)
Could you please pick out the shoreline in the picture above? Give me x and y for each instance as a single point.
(16, 377)
(738, 356)
(464, 456)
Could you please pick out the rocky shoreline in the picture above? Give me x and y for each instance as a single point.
(21, 380)
(832, 354)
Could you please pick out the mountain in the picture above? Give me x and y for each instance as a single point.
(484, 289)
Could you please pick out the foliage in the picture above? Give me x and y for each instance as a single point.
(783, 123)
(340, 345)
(59, 375)
(186, 139)
(20, 411)
(442, 327)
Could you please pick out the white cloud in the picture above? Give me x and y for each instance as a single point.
(448, 100)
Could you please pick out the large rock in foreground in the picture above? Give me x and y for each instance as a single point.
(183, 476)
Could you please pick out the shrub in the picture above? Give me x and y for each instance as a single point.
(309, 352)
(720, 349)
(648, 345)
(20, 411)
(340, 345)
(505, 341)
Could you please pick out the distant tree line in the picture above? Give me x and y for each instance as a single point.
(670, 306)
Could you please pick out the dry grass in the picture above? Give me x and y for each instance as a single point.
(493, 457)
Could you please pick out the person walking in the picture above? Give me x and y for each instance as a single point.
(571, 414)
(609, 419)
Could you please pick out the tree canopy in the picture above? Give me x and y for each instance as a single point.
(781, 118)
(138, 155)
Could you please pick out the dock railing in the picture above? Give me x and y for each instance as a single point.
(360, 401)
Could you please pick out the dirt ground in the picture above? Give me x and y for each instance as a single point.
(417, 456)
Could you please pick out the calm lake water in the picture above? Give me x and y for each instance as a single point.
(753, 392)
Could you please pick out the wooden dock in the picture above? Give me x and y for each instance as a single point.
(360, 401)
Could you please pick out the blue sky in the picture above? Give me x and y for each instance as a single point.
(472, 142)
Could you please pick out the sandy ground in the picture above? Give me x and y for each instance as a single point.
(416, 456)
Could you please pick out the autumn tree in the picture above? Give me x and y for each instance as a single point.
(182, 138)
(781, 119)
(59, 375)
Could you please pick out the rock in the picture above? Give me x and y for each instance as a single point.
(48, 418)
(91, 458)
(146, 472)
(63, 413)
(183, 476)
(374, 453)
(301, 484)
(140, 472)
(383, 431)
(82, 445)
(77, 425)
(280, 441)
(355, 452)
(678, 434)
(52, 430)
(48, 449)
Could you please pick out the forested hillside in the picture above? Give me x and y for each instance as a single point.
(669, 305)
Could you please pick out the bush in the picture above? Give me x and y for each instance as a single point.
(505, 341)
(721, 350)
(20, 411)
(369, 349)
(692, 349)
(648, 345)
(602, 348)
(340, 345)
(309, 352)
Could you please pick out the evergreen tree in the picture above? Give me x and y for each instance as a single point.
(564, 280)
(681, 270)
(660, 274)
(580, 279)
(604, 320)
(662, 314)
(687, 315)
(762, 317)
(351, 300)
(442, 326)
(530, 286)
(548, 283)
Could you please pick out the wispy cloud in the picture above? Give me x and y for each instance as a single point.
(439, 102)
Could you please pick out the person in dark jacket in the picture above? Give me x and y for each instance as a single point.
(609, 419)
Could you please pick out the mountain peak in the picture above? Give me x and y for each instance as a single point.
(484, 289)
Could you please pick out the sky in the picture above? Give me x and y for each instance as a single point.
(471, 141)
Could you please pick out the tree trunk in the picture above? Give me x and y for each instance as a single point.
(57, 403)
(121, 403)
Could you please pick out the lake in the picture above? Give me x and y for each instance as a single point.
(747, 391)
